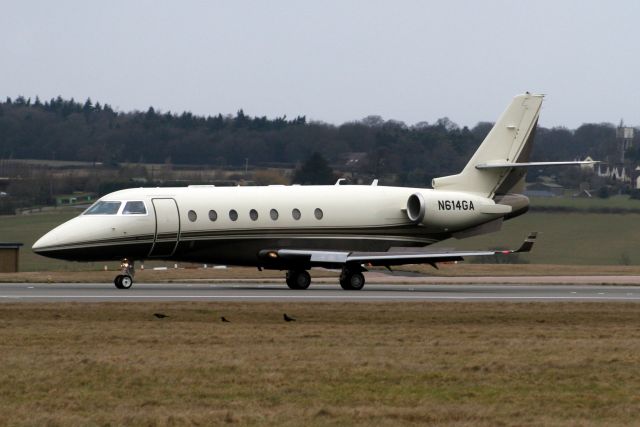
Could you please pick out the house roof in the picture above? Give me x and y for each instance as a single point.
(10, 245)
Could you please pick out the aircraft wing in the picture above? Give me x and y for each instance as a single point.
(392, 257)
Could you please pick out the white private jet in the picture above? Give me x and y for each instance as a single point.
(295, 228)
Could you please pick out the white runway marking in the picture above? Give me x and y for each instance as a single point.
(322, 297)
(260, 292)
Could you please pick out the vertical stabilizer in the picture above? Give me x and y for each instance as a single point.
(509, 141)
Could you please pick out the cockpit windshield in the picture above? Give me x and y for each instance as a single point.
(103, 208)
(134, 208)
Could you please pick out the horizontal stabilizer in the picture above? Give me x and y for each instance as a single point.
(506, 165)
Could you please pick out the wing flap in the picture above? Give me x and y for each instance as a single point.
(398, 257)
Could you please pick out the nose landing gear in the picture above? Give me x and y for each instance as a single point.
(124, 280)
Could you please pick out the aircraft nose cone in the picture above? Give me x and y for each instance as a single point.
(37, 245)
(44, 244)
(41, 244)
(50, 244)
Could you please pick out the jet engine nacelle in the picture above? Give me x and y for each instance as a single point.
(450, 211)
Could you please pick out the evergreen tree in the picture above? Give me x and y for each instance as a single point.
(315, 170)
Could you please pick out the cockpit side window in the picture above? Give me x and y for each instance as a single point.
(103, 208)
(134, 208)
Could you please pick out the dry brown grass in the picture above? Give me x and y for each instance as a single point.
(498, 270)
(152, 276)
(457, 364)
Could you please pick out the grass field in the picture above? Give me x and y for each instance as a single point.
(595, 203)
(566, 238)
(456, 364)
(27, 229)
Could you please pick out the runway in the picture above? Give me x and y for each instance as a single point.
(92, 292)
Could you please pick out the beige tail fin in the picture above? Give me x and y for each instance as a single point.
(509, 142)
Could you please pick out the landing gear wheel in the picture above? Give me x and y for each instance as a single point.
(298, 279)
(126, 282)
(123, 281)
(352, 281)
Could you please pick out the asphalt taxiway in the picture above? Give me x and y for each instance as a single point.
(246, 291)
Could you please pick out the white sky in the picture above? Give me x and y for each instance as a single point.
(333, 61)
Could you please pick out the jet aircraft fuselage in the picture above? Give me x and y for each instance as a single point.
(232, 225)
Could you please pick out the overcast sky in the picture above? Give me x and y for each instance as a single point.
(332, 61)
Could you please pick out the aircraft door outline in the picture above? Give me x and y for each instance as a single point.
(167, 231)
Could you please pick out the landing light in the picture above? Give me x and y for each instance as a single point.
(272, 254)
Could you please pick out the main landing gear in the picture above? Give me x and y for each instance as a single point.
(124, 280)
(350, 279)
(298, 279)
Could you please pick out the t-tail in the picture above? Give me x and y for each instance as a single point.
(498, 167)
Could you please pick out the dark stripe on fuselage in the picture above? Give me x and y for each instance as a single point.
(409, 231)
(233, 249)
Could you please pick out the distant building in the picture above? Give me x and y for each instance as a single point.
(588, 166)
(353, 161)
(9, 257)
(75, 199)
(624, 138)
(544, 189)
(635, 179)
(616, 172)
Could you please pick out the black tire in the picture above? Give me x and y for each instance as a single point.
(118, 281)
(126, 282)
(303, 280)
(298, 279)
(290, 283)
(352, 281)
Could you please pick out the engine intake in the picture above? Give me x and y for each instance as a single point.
(416, 207)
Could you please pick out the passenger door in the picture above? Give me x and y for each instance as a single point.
(167, 228)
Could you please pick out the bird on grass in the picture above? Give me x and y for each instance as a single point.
(160, 315)
(288, 318)
(224, 320)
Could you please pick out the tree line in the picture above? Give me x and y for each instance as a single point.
(61, 129)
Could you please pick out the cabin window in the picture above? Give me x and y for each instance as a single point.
(213, 215)
(318, 213)
(233, 215)
(273, 214)
(296, 214)
(192, 216)
(134, 208)
(103, 208)
(253, 214)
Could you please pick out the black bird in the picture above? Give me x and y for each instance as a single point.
(224, 319)
(160, 315)
(287, 318)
